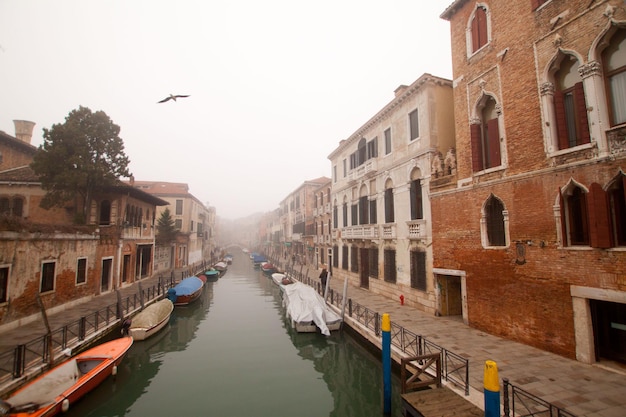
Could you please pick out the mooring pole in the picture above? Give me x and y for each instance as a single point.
(386, 328)
(492, 389)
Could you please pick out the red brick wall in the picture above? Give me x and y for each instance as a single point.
(522, 298)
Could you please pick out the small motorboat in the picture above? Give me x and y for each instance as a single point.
(268, 268)
(57, 389)
(186, 291)
(211, 274)
(151, 319)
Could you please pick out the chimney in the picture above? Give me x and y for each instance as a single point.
(24, 130)
(401, 89)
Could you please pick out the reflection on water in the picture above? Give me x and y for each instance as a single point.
(232, 353)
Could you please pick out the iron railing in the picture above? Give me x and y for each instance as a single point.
(518, 402)
(455, 368)
(36, 354)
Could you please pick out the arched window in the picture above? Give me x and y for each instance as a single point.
(417, 205)
(574, 216)
(485, 136)
(494, 214)
(363, 206)
(569, 105)
(389, 205)
(494, 223)
(614, 64)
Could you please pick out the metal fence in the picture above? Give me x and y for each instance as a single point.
(43, 350)
(518, 402)
(455, 368)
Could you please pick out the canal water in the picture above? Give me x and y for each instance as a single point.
(232, 353)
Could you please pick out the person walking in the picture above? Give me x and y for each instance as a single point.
(324, 277)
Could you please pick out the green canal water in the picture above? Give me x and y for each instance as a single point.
(232, 353)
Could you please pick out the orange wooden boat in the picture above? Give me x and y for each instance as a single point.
(57, 389)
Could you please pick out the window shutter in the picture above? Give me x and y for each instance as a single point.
(475, 36)
(481, 15)
(477, 148)
(561, 124)
(581, 111)
(493, 136)
(564, 238)
(599, 229)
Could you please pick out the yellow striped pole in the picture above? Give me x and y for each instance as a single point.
(492, 389)
(386, 344)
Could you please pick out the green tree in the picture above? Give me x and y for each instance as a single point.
(79, 157)
(166, 229)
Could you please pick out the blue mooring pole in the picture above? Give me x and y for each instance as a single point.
(492, 389)
(386, 329)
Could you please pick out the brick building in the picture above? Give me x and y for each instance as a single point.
(532, 232)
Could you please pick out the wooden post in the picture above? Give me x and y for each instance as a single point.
(49, 334)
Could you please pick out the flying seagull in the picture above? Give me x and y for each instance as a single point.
(172, 97)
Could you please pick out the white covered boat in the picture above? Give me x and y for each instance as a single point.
(152, 319)
(307, 310)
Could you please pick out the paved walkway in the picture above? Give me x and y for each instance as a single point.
(582, 390)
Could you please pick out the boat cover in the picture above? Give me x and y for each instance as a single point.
(188, 286)
(304, 304)
(152, 315)
(258, 259)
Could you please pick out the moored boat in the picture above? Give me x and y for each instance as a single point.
(151, 319)
(211, 274)
(308, 311)
(258, 259)
(186, 291)
(268, 268)
(57, 389)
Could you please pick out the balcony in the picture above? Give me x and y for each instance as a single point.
(389, 231)
(296, 237)
(366, 170)
(366, 231)
(417, 229)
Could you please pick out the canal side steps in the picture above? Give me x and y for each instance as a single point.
(423, 394)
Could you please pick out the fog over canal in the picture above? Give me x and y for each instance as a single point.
(232, 353)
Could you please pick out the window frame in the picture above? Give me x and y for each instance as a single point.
(81, 271)
(414, 125)
(48, 276)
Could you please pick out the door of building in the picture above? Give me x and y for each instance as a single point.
(609, 329)
(450, 295)
(105, 278)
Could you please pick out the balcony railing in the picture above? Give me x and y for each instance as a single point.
(367, 169)
(389, 231)
(417, 229)
(367, 231)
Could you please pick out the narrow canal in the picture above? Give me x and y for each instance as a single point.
(232, 353)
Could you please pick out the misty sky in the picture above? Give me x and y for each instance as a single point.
(274, 85)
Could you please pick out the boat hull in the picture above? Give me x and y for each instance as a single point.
(164, 309)
(83, 373)
(187, 291)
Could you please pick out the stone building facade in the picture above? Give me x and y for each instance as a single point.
(196, 240)
(43, 254)
(381, 174)
(532, 231)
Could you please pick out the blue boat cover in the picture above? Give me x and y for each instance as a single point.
(259, 258)
(188, 286)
